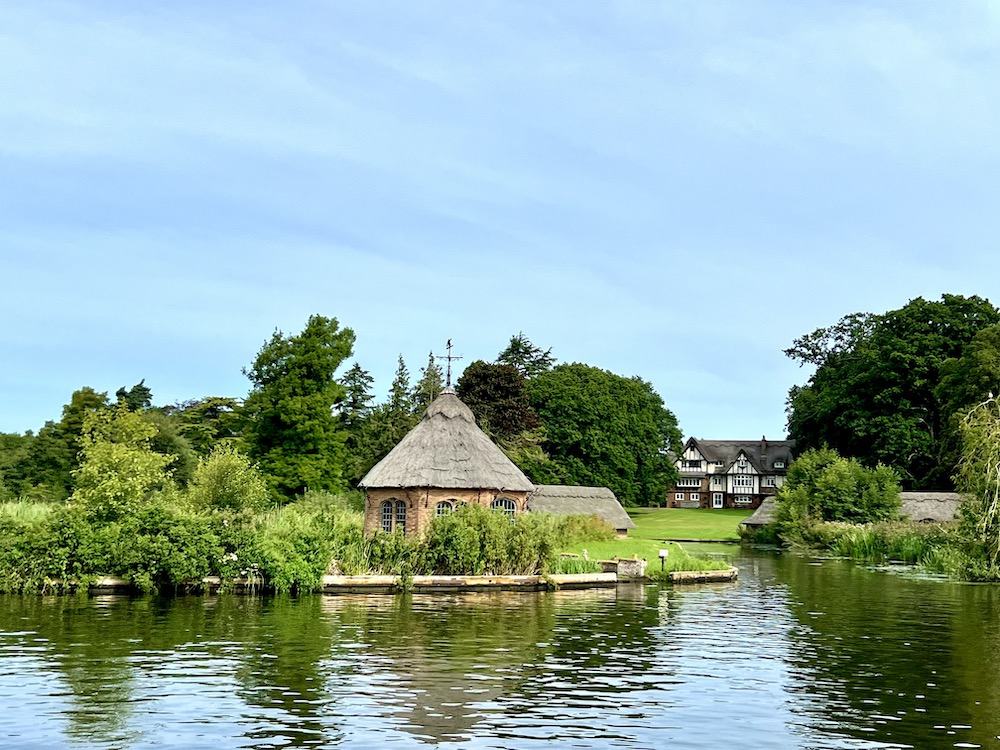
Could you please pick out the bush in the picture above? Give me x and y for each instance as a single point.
(823, 486)
(226, 480)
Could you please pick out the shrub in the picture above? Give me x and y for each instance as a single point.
(226, 480)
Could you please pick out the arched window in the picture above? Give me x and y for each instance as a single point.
(401, 516)
(506, 505)
(387, 516)
(443, 508)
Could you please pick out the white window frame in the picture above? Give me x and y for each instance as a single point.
(717, 500)
(689, 482)
(695, 497)
(679, 496)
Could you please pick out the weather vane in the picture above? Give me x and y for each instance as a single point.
(448, 357)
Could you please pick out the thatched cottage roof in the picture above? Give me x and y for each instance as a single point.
(766, 513)
(930, 506)
(448, 450)
(762, 454)
(917, 506)
(561, 500)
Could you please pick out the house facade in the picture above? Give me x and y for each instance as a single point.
(729, 473)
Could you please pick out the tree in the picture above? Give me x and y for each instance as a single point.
(821, 485)
(226, 480)
(209, 421)
(498, 396)
(136, 398)
(874, 394)
(355, 413)
(388, 423)
(607, 430)
(292, 430)
(118, 470)
(54, 453)
(528, 359)
(429, 386)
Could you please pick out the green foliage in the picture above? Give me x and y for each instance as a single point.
(823, 486)
(497, 394)
(478, 541)
(573, 565)
(525, 357)
(979, 478)
(293, 432)
(606, 430)
(429, 386)
(876, 393)
(119, 470)
(208, 421)
(137, 398)
(168, 441)
(54, 453)
(226, 480)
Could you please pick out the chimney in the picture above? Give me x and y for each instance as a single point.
(763, 448)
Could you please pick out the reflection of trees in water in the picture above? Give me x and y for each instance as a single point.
(320, 668)
(889, 658)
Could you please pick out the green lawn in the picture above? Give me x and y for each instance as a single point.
(686, 523)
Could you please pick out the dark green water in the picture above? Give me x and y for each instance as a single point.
(794, 655)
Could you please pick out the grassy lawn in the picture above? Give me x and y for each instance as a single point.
(677, 559)
(686, 523)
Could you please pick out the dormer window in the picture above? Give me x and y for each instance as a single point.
(779, 464)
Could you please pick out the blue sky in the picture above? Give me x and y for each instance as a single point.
(674, 190)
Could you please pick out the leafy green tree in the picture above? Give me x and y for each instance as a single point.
(387, 423)
(498, 396)
(54, 453)
(14, 450)
(227, 480)
(292, 430)
(823, 486)
(137, 398)
(354, 413)
(208, 421)
(119, 470)
(607, 430)
(875, 392)
(429, 386)
(528, 359)
(169, 441)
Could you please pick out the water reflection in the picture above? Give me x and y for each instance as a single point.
(820, 654)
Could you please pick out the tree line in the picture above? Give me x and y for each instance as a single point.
(311, 422)
(893, 388)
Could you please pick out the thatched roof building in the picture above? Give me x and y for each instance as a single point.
(447, 449)
(561, 500)
(443, 462)
(933, 507)
(447, 461)
(766, 513)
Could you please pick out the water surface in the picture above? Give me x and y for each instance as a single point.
(798, 653)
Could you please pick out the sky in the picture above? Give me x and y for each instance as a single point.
(674, 190)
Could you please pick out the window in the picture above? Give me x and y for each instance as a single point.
(443, 508)
(716, 499)
(720, 464)
(779, 464)
(401, 516)
(769, 482)
(717, 481)
(695, 497)
(743, 500)
(387, 516)
(688, 464)
(743, 480)
(506, 505)
(679, 496)
(689, 482)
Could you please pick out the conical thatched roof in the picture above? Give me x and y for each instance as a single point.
(448, 450)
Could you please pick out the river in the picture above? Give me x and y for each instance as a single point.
(798, 653)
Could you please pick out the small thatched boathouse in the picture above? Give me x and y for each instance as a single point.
(447, 460)
(444, 461)
(563, 500)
